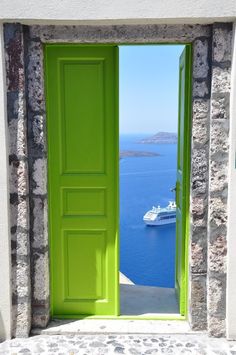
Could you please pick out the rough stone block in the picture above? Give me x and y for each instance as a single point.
(12, 105)
(216, 294)
(216, 327)
(119, 34)
(222, 44)
(40, 177)
(217, 254)
(217, 212)
(200, 89)
(219, 132)
(21, 320)
(198, 259)
(38, 130)
(199, 172)
(19, 211)
(200, 58)
(14, 53)
(35, 77)
(21, 280)
(218, 176)
(220, 106)
(20, 243)
(40, 289)
(201, 108)
(40, 222)
(40, 318)
(198, 207)
(17, 138)
(198, 309)
(18, 177)
(220, 80)
(200, 133)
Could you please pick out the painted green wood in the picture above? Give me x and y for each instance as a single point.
(82, 124)
(183, 175)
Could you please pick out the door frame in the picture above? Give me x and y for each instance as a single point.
(184, 258)
(126, 34)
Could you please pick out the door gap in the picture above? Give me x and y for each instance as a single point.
(148, 116)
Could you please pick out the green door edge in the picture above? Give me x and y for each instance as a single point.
(188, 47)
(183, 298)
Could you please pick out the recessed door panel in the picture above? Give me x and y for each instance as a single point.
(84, 254)
(82, 100)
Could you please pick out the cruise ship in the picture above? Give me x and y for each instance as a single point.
(158, 216)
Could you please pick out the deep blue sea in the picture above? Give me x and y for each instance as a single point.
(147, 254)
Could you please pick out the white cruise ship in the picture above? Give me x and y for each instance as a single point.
(158, 216)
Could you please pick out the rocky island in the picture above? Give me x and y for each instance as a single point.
(161, 138)
(136, 154)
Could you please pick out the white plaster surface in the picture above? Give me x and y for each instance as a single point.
(124, 279)
(119, 11)
(231, 242)
(5, 288)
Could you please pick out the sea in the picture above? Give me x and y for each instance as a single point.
(147, 253)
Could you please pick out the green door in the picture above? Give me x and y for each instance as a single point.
(182, 184)
(82, 122)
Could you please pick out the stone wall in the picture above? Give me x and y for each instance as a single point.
(199, 182)
(207, 250)
(19, 187)
(218, 178)
(37, 148)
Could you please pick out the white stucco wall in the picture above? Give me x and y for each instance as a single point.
(119, 11)
(231, 265)
(5, 260)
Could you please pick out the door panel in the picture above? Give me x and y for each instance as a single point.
(182, 184)
(82, 120)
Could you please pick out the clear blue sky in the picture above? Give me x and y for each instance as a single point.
(148, 85)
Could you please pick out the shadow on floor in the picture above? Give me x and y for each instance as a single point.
(146, 300)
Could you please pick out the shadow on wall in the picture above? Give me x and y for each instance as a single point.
(2, 330)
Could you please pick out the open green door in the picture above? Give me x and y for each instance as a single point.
(183, 172)
(82, 121)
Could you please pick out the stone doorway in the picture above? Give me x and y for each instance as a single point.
(28, 162)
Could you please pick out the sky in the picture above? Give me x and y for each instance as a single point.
(148, 88)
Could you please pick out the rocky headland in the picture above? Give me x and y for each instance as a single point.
(161, 138)
(136, 154)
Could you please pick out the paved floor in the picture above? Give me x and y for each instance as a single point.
(147, 301)
(140, 300)
(118, 344)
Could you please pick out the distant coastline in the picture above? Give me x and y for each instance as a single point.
(136, 154)
(160, 138)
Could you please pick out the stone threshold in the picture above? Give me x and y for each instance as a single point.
(115, 326)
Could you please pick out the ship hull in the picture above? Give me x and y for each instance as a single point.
(159, 223)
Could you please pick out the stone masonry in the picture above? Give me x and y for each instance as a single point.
(37, 147)
(19, 187)
(209, 156)
(199, 182)
(218, 181)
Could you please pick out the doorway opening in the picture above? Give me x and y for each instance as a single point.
(152, 103)
(83, 161)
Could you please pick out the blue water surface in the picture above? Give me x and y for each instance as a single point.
(147, 254)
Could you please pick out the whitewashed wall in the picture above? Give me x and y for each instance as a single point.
(121, 11)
